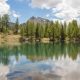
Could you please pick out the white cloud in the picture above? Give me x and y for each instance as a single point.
(45, 3)
(15, 14)
(67, 11)
(4, 7)
(47, 15)
(74, 4)
(62, 9)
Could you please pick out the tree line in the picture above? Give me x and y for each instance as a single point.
(55, 31)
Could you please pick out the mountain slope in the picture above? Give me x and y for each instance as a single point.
(38, 20)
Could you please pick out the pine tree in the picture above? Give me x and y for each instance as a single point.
(57, 27)
(4, 23)
(16, 28)
(73, 30)
(62, 33)
(37, 33)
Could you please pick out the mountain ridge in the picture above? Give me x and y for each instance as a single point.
(38, 19)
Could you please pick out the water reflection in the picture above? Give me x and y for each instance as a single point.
(41, 61)
(39, 51)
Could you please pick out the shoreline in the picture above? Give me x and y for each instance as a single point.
(11, 39)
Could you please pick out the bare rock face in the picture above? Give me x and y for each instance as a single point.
(38, 20)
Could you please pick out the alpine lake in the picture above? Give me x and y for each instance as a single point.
(40, 61)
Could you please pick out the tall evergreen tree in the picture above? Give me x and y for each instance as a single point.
(62, 33)
(6, 19)
(37, 33)
(4, 23)
(16, 28)
(57, 27)
(46, 34)
(73, 30)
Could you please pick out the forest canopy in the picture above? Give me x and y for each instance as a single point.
(34, 29)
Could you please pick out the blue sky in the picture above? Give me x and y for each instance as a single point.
(63, 10)
(25, 11)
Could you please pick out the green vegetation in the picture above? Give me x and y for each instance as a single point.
(4, 23)
(39, 51)
(16, 27)
(54, 31)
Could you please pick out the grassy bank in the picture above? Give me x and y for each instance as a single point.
(9, 39)
(12, 39)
